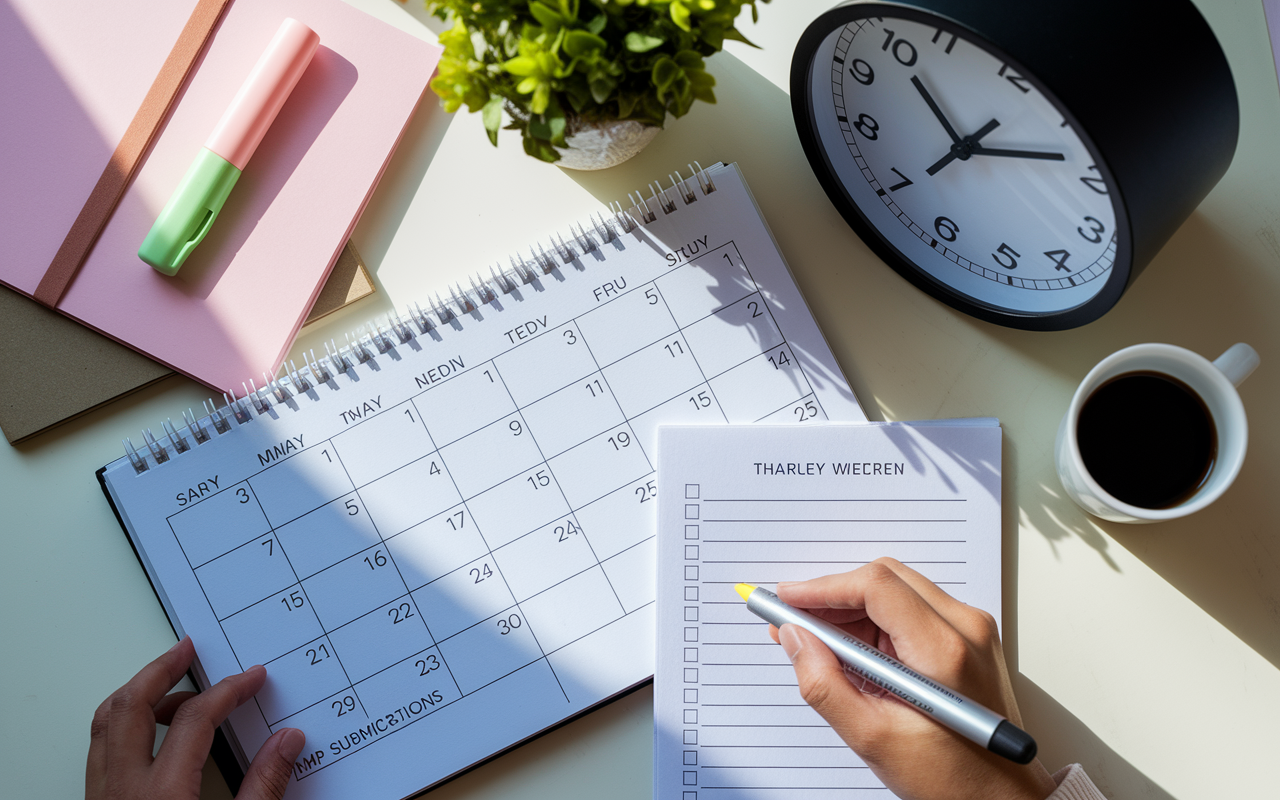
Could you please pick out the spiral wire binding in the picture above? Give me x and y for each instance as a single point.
(376, 338)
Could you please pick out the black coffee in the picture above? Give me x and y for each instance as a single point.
(1147, 438)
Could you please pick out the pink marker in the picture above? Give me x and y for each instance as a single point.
(195, 204)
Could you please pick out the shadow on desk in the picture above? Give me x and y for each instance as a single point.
(1064, 739)
(1205, 291)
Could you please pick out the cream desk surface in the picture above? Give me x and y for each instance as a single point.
(1151, 654)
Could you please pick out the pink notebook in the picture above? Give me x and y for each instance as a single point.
(72, 74)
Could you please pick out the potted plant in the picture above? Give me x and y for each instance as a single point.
(586, 82)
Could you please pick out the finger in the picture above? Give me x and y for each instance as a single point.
(131, 721)
(945, 604)
(838, 616)
(917, 629)
(169, 704)
(95, 772)
(190, 735)
(823, 685)
(269, 774)
(975, 624)
(863, 630)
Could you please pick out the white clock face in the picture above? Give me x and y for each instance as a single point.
(963, 165)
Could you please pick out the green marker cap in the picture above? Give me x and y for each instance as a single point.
(190, 212)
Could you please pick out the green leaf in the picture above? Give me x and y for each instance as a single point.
(546, 16)
(541, 98)
(665, 71)
(540, 149)
(736, 35)
(583, 43)
(492, 116)
(638, 42)
(597, 25)
(689, 59)
(569, 9)
(626, 104)
(601, 88)
(680, 15)
(521, 65)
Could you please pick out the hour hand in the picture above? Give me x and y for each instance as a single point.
(937, 112)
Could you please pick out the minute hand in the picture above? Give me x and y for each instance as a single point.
(979, 150)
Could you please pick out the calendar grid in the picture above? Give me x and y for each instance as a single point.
(680, 331)
(400, 575)
(785, 405)
(488, 549)
(569, 505)
(206, 595)
(709, 335)
(310, 607)
(600, 371)
(572, 320)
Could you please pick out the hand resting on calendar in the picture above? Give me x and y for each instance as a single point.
(896, 609)
(122, 736)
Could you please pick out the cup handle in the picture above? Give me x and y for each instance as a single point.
(1238, 362)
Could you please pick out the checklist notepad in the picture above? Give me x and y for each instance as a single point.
(762, 504)
(440, 540)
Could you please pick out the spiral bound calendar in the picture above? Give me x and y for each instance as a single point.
(440, 537)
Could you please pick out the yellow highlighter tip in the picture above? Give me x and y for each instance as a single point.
(744, 590)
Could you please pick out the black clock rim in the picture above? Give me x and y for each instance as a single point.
(802, 65)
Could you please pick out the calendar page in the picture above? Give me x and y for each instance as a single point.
(450, 546)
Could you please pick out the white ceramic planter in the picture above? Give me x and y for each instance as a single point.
(601, 145)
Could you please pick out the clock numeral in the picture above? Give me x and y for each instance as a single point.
(1008, 252)
(1099, 185)
(1014, 78)
(1096, 229)
(868, 127)
(905, 180)
(903, 50)
(947, 230)
(1059, 258)
(862, 72)
(950, 44)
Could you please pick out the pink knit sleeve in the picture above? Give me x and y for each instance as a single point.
(1073, 784)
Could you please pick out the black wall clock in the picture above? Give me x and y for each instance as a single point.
(1020, 161)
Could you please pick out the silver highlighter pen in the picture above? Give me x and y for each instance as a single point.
(962, 715)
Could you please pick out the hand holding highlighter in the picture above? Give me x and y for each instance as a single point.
(951, 645)
(195, 204)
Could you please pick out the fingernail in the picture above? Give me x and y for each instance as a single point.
(292, 742)
(176, 646)
(790, 641)
(781, 584)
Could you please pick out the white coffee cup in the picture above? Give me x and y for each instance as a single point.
(1214, 381)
